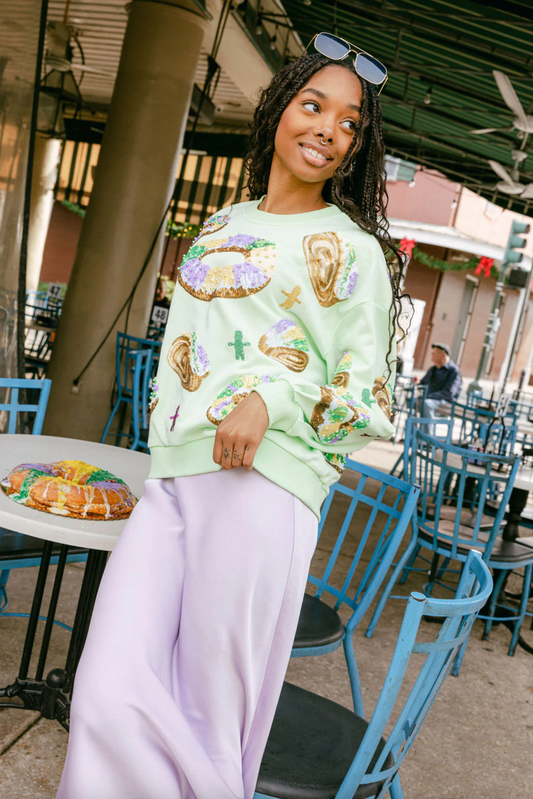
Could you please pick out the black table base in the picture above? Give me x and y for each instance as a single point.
(51, 696)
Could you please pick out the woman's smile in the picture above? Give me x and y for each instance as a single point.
(315, 154)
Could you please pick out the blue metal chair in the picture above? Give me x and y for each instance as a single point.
(444, 432)
(449, 522)
(37, 352)
(468, 418)
(133, 375)
(318, 749)
(409, 399)
(25, 403)
(371, 519)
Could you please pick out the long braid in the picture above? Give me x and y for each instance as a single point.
(358, 187)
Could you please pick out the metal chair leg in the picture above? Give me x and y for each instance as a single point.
(395, 788)
(523, 606)
(496, 591)
(353, 671)
(4, 601)
(409, 565)
(108, 425)
(433, 569)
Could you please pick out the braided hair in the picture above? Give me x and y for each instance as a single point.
(358, 187)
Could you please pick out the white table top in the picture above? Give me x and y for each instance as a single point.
(132, 467)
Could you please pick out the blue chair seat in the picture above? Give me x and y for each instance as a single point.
(502, 551)
(468, 518)
(311, 747)
(318, 625)
(15, 546)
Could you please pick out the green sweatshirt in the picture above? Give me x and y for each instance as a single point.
(296, 308)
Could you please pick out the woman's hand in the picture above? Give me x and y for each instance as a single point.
(240, 434)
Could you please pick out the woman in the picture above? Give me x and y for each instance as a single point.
(275, 364)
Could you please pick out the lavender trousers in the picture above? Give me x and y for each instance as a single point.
(189, 642)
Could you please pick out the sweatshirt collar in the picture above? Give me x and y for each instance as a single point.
(253, 214)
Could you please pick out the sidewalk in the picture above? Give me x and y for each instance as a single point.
(475, 743)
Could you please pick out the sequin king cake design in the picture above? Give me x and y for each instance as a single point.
(341, 378)
(189, 360)
(337, 415)
(286, 343)
(382, 391)
(234, 393)
(237, 276)
(331, 264)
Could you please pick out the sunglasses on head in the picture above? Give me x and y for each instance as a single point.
(366, 66)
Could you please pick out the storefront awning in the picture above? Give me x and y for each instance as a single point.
(445, 236)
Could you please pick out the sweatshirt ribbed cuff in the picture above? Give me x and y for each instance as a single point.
(279, 400)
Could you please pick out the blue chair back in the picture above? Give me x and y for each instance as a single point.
(29, 397)
(384, 506)
(468, 418)
(501, 437)
(458, 616)
(520, 411)
(409, 399)
(127, 344)
(446, 474)
(443, 433)
(141, 361)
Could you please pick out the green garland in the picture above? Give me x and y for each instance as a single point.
(447, 266)
(178, 230)
(182, 230)
(79, 210)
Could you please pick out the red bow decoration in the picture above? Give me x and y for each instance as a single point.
(484, 264)
(406, 246)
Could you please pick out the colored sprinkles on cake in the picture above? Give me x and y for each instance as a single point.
(69, 488)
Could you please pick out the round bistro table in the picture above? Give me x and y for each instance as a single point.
(51, 695)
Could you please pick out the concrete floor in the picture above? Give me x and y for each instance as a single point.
(475, 744)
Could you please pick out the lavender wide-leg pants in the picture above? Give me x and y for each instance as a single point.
(189, 642)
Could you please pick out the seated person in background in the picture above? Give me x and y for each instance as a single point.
(443, 380)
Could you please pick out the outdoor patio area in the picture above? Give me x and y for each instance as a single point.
(473, 745)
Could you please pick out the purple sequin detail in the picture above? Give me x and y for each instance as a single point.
(282, 325)
(248, 276)
(352, 281)
(194, 272)
(240, 240)
(227, 401)
(202, 358)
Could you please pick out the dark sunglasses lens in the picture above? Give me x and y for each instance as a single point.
(331, 47)
(370, 68)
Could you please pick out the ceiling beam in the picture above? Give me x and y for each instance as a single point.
(490, 53)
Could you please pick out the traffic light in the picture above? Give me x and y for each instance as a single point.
(515, 242)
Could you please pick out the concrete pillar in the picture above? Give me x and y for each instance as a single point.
(45, 162)
(133, 182)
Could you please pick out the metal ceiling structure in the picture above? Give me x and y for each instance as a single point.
(98, 28)
(440, 55)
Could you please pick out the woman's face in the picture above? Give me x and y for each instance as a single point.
(317, 127)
